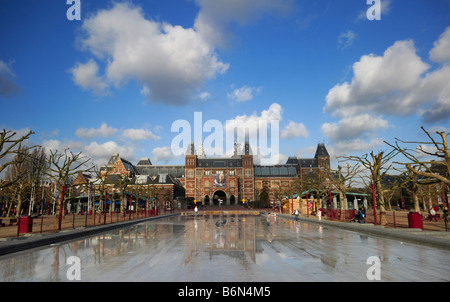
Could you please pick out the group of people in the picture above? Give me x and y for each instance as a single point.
(432, 214)
(360, 216)
(319, 214)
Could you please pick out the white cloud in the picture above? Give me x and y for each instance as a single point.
(274, 113)
(8, 85)
(139, 134)
(440, 51)
(244, 93)
(398, 83)
(293, 130)
(346, 39)
(215, 17)
(172, 62)
(162, 154)
(380, 83)
(347, 147)
(263, 132)
(102, 152)
(269, 160)
(99, 153)
(103, 131)
(353, 127)
(204, 96)
(86, 76)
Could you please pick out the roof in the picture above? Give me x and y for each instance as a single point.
(321, 151)
(219, 162)
(175, 170)
(278, 170)
(144, 162)
(308, 162)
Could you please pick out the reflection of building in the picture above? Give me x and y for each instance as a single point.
(222, 234)
(233, 179)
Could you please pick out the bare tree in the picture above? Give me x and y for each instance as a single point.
(11, 145)
(432, 170)
(378, 165)
(62, 166)
(342, 179)
(24, 174)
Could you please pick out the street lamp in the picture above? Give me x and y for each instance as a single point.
(374, 205)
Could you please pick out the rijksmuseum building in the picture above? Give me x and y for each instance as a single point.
(220, 181)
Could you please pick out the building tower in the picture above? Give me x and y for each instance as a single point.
(190, 167)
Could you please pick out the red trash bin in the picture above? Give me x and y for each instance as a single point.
(25, 224)
(415, 220)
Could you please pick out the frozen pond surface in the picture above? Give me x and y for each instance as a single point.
(228, 248)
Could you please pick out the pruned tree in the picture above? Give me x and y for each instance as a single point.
(341, 180)
(377, 165)
(433, 171)
(63, 166)
(124, 181)
(12, 152)
(24, 174)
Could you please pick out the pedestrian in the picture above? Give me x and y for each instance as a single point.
(319, 214)
(362, 215)
(296, 214)
(432, 214)
(445, 214)
(195, 211)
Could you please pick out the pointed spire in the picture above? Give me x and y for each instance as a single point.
(201, 151)
(191, 149)
(321, 151)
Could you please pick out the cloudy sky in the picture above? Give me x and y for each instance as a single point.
(119, 79)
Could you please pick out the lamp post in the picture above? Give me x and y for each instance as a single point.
(104, 207)
(63, 188)
(374, 206)
(307, 205)
(331, 204)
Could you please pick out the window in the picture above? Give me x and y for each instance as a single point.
(190, 173)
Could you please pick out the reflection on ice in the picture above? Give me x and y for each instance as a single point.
(225, 248)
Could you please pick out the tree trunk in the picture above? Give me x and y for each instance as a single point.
(416, 203)
(19, 205)
(343, 201)
(123, 204)
(383, 219)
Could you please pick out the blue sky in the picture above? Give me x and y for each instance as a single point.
(116, 80)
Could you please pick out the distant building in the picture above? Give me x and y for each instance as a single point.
(221, 180)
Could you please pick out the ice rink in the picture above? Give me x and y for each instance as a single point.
(228, 249)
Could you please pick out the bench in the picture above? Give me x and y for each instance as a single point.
(430, 218)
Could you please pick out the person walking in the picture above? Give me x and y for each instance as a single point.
(432, 214)
(296, 214)
(195, 211)
(445, 214)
